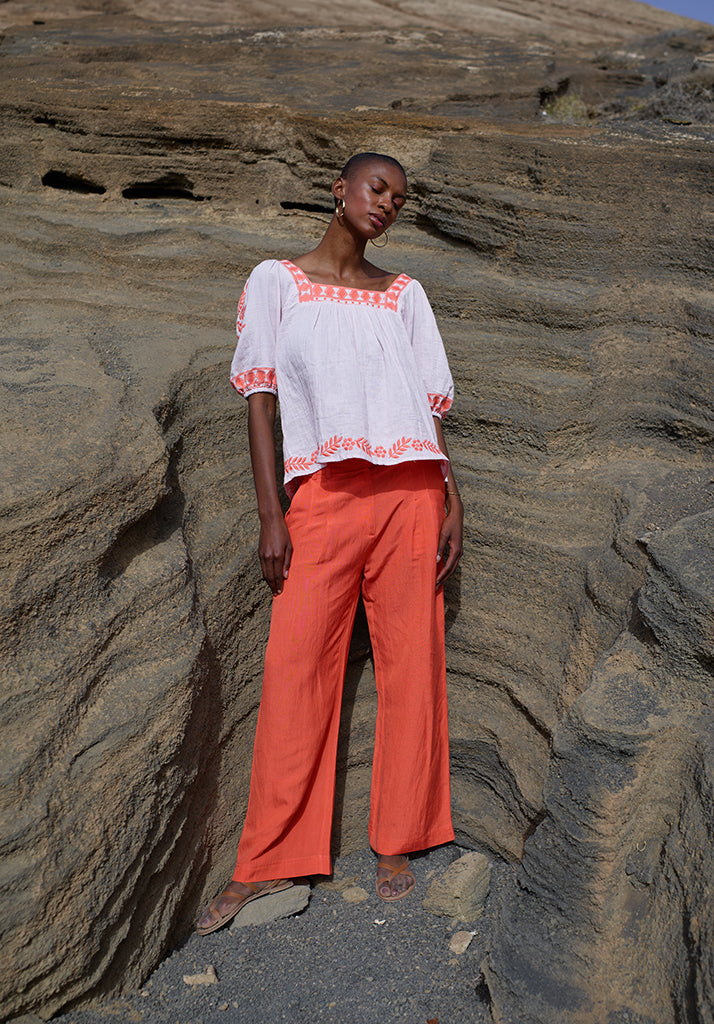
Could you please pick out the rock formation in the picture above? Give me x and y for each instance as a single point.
(616, 882)
(560, 219)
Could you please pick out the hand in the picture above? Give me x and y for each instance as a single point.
(451, 537)
(275, 551)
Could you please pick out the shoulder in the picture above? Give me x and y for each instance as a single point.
(270, 278)
(265, 270)
(411, 293)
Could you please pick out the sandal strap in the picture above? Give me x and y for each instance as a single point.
(393, 872)
(236, 895)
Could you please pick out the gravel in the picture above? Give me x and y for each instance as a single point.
(345, 963)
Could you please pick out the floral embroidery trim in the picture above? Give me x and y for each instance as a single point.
(240, 314)
(440, 404)
(261, 378)
(306, 464)
(308, 291)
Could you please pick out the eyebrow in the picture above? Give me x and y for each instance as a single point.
(386, 185)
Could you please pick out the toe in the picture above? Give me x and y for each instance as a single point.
(206, 920)
(221, 906)
(224, 903)
(394, 877)
(399, 885)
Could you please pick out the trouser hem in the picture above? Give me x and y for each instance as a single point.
(295, 868)
(393, 847)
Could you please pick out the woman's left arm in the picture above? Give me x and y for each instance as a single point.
(452, 529)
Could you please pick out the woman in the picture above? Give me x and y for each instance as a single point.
(355, 354)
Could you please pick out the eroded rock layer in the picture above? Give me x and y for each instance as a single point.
(591, 21)
(616, 882)
(144, 170)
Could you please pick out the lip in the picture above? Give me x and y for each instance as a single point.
(377, 220)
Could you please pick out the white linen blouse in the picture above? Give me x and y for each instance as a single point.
(359, 374)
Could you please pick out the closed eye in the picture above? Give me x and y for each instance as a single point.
(397, 201)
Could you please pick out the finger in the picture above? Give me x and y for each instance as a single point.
(448, 570)
(441, 549)
(278, 576)
(455, 551)
(272, 577)
(287, 559)
(443, 575)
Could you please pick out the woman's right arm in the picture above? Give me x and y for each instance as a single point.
(274, 546)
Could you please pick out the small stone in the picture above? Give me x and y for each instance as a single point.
(336, 884)
(460, 942)
(643, 862)
(209, 977)
(273, 907)
(223, 1006)
(462, 890)
(355, 894)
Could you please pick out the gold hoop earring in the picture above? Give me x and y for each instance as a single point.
(385, 236)
(340, 209)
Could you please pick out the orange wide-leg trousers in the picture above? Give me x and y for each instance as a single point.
(354, 527)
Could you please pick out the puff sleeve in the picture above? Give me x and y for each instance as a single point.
(430, 356)
(257, 324)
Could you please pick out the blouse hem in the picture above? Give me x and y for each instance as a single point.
(308, 467)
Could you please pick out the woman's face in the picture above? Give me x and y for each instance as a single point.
(373, 195)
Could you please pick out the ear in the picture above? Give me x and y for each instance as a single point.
(338, 188)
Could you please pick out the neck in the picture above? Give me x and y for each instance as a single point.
(340, 250)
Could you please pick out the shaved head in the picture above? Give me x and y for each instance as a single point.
(358, 161)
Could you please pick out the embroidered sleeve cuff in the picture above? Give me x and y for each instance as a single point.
(261, 378)
(440, 404)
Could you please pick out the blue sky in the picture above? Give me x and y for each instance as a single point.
(701, 10)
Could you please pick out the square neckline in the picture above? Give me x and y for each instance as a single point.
(401, 279)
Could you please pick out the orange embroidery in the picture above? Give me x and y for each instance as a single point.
(399, 447)
(308, 291)
(440, 403)
(307, 464)
(298, 465)
(240, 315)
(261, 378)
(331, 446)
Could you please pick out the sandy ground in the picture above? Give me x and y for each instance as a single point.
(361, 963)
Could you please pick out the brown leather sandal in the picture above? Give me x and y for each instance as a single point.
(403, 869)
(222, 918)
